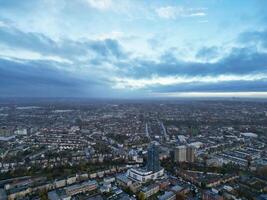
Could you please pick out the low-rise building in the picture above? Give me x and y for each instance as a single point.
(81, 188)
(143, 175)
(163, 184)
(135, 187)
(177, 189)
(93, 175)
(149, 191)
(109, 179)
(210, 195)
(58, 195)
(169, 195)
(60, 183)
(123, 180)
(71, 180)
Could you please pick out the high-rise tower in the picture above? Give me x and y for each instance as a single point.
(153, 158)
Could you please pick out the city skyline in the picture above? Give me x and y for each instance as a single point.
(133, 49)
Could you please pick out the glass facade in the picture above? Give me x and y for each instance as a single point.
(153, 158)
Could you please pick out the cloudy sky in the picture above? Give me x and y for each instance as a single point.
(133, 48)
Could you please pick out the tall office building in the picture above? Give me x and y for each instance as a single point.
(153, 158)
(152, 171)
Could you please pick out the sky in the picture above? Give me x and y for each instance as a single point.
(133, 48)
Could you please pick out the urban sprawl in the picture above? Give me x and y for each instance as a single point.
(92, 150)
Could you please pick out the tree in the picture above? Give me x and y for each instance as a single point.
(141, 196)
(262, 172)
(43, 195)
(203, 185)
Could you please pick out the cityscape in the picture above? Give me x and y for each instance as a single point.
(133, 99)
(142, 149)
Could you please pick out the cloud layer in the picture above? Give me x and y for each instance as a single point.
(173, 12)
(129, 64)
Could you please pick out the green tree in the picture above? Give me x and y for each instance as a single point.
(43, 195)
(141, 196)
